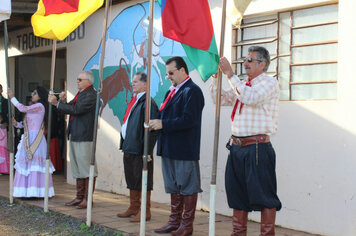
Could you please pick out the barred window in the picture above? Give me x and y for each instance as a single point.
(303, 48)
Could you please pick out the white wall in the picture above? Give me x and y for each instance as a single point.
(315, 144)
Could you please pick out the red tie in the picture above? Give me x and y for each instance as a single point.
(168, 99)
(237, 102)
(75, 100)
(129, 107)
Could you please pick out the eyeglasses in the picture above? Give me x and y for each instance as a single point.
(80, 79)
(250, 59)
(171, 72)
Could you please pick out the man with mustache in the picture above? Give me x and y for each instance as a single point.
(179, 124)
(250, 177)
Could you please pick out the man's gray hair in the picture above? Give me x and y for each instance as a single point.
(262, 55)
(89, 75)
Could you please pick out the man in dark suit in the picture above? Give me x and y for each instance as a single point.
(179, 145)
(80, 132)
(3, 110)
(132, 144)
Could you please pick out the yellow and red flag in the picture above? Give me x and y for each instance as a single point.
(56, 19)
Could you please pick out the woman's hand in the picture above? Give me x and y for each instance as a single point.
(14, 122)
(10, 93)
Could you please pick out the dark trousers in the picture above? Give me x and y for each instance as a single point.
(250, 178)
(133, 165)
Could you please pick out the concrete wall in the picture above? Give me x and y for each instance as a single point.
(315, 144)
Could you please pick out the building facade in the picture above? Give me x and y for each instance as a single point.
(311, 45)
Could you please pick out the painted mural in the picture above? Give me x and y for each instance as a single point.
(126, 54)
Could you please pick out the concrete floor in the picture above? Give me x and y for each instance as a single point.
(107, 205)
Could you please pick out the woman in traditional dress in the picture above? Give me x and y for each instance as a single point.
(4, 155)
(30, 159)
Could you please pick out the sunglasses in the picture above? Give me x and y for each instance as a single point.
(171, 72)
(34, 93)
(250, 59)
(80, 80)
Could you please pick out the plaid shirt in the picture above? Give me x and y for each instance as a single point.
(259, 114)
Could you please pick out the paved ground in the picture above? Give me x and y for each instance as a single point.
(107, 205)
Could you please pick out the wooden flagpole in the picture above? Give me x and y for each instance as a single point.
(11, 128)
(147, 119)
(217, 130)
(95, 132)
(49, 123)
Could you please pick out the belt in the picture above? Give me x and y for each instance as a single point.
(261, 138)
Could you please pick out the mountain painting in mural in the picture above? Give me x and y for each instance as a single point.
(126, 54)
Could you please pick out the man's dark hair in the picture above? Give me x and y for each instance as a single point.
(143, 76)
(179, 63)
(262, 55)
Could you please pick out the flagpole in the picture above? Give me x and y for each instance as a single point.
(11, 128)
(147, 119)
(217, 130)
(49, 126)
(95, 132)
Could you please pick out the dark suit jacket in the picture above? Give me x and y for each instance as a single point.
(83, 112)
(181, 119)
(4, 111)
(134, 140)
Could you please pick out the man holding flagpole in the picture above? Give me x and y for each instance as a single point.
(132, 144)
(250, 177)
(80, 132)
(179, 122)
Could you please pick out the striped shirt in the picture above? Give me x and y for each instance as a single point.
(259, 114)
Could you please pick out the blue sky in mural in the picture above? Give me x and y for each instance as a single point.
(126, 46)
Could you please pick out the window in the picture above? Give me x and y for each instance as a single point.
(303, 48)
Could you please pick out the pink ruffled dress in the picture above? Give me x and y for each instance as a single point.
(30, 174)
(4, 155)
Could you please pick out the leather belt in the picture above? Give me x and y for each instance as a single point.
(244, 141)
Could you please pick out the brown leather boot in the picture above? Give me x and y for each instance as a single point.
(268, 218)
(80, 184)
(186, 225)
(239, 223)
(83, 204)
(137, 217)
(135, 204)
(176, 215)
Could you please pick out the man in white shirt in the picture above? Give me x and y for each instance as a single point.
(250, 178)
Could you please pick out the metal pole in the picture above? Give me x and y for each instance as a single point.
(95, 132)
(147, 119)
(11, 128)
(49, 122)
(217, 130)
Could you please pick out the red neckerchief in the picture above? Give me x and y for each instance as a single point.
(76, 98)
(129, 107)
(170, 96)
(237, 102)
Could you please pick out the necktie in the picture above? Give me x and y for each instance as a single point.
(129, 107)
(237, 102)
(74, 102)
(168, 99)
